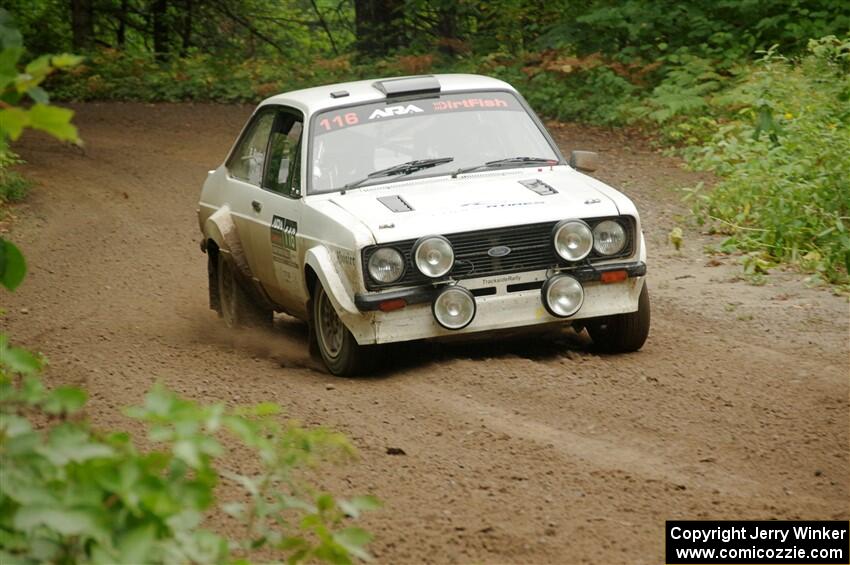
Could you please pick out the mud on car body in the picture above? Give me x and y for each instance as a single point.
(417, 208)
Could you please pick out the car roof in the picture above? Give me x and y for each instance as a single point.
(311, 100)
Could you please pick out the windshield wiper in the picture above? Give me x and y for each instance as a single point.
(506, 162)
(400, 169)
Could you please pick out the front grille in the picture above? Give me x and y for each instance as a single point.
(531, 250)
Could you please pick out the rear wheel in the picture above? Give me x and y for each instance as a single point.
(341, 353)
(237, 308)
(622, 333)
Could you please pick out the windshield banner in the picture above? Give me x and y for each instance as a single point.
(393, 110)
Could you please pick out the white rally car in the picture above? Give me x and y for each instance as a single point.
(413, 208)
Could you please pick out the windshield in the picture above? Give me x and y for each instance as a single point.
(472, 129)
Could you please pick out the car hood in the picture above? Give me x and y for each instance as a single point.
(410, 209)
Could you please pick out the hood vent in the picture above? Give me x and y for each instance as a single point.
(395, 203)
(538, 186)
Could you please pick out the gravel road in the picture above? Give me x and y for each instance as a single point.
(518, 451)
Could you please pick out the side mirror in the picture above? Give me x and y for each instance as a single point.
(584, 160)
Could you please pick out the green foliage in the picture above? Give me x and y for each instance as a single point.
(112, 75)
(34, 17)
(23, 85)
(13, 267)
(13, 186)
(727, 30)
(244, 50)
(604, 62)
(593, 95)
(687, 83)
(73, 494)
(781, 152)
(17, 84)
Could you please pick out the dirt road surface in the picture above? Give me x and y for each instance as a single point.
(540, 452)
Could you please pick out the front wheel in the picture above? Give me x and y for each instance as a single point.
(622, 333)
(341, 353)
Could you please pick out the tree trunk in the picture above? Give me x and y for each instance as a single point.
(186, 35)
(160, 28)
(378, 25)
(121, 34)
(82, 24)
(447, 29)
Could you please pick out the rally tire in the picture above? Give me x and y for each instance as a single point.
(236, 307)
(340, 352)
(622, 333)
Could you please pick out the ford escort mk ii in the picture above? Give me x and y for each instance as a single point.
(416, 208)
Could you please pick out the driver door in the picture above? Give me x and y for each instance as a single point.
(277, 212)
(245, 168)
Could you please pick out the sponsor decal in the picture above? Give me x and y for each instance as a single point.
(344, 118)
(500, 280)
(470, 103)
(284, 240)
(499, 204)
(345, 258)
(390, 111)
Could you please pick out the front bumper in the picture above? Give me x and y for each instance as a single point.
(372, 301)
(503, 302)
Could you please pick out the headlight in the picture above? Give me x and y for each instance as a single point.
(386, 265)
(562, 295)
(454, 307)
(433, 256)
(609, 237)
(573, 240)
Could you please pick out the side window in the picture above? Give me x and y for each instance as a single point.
(248, 160)
(283, 173)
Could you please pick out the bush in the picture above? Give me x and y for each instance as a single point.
(13, 186)
(589, 90)
(73, 494)
(16, 86)
(679, 106)
(781, 155)
(592, 96)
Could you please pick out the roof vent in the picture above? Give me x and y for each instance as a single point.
(425, 84)
(339, 94)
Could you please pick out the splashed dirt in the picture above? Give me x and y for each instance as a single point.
(531, 451)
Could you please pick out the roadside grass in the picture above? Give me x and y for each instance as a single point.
(14, 187)
(780, 152)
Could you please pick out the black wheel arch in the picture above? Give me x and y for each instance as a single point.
(212, 275)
